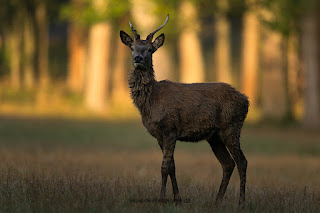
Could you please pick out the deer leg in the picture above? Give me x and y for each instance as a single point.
(227, 163)
(231, 138)
(168, 168)
(172, 173)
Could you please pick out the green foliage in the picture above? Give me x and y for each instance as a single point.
(209, 7)
(86, 14)
(53, 9)
(285, 15)
(236, 7)
(8, 11)
(166, 7)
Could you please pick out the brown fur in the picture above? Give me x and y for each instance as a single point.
(187, 112)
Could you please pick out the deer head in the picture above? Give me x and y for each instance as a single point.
(142, 50)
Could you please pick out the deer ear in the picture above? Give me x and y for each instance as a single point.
(126, 39)
(158, 42)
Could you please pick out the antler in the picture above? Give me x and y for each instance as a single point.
(150, 36)
(135, 34)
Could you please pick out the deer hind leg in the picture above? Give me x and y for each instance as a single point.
(168, 168)
(227, 163)
(231, 138)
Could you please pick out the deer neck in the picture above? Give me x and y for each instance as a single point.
(141, 83)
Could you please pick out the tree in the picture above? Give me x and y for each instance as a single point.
(282, 16)
(295, 76)
(14, 42)
(42, 23)
(98, 16)
(250, 54)
(311, 55)
(11, 16)
(25, 26)
(98, 64)
(146, 20)
(77, 47)
(120, 92)
(29, 51)
(191, 64)
(273, 86)
(222, 43)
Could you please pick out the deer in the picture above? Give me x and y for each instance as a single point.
(172, 111)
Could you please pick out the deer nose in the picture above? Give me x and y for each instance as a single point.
(138, 59)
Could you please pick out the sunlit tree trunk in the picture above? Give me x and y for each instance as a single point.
(77, 50)
(13, 43)
(99, 42)
(273, 82)
(311, 57)
(191, 63)
(222, 43)
(120, 92)
(77, 47)
(43, 43)
(145, 21)
(98, 66)
(28, 52)
(294, 68)
(250, 56)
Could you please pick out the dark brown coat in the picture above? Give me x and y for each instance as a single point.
(187, 112)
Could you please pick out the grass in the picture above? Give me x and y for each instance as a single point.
(53, 165)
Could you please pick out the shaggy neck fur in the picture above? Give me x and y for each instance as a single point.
(141, 83)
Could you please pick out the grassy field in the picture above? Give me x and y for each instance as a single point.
(54, 165)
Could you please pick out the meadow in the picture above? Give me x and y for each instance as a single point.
(81, 165)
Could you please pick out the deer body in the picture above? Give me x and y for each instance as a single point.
(192, 112)
(187, 112)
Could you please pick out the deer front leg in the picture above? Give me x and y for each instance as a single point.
(172, 173)
(168, 168)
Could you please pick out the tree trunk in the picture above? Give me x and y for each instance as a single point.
(98, 66)
(43, 43)
(250, 57)
(77, 45)
(318, 31)
(273, 82)
(288, 116)
(120, 92)
(311, 57)
(222, 44)
(191, 64)
(28, 52)
(294, 68)
(13, 40)
(146, 21)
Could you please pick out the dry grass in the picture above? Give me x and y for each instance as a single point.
(95, 181)
(54, 165)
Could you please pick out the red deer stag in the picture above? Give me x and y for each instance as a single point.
(187, 112)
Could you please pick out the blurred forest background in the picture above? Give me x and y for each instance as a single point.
(64, 57)
(71, 139)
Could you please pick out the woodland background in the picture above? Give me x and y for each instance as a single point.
(60, 57)
(72, 141)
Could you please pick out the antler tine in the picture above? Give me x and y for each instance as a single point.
(150, 36)
(135, 34)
